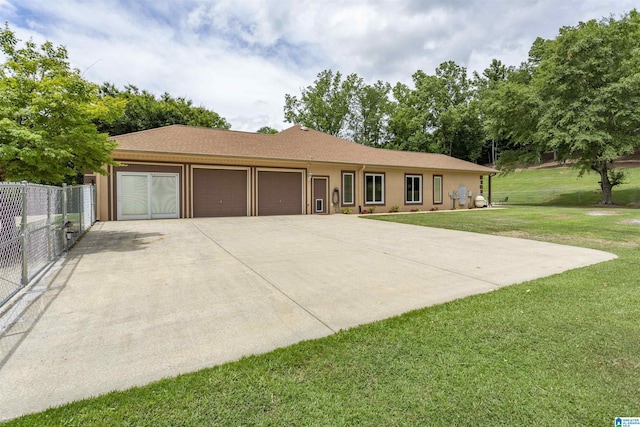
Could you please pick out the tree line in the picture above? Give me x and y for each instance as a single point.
(439, 114)
(143, 110)
(577, 95)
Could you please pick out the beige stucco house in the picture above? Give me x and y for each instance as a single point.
(184, 172)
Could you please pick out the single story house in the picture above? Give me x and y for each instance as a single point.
(185, 172)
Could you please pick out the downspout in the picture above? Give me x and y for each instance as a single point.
(361, 198)
(308, 189)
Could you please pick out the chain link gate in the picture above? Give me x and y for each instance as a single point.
(37, 224)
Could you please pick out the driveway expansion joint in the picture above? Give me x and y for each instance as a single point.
(269, 282)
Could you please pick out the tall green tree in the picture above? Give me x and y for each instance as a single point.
(457, 130)
(369, 115)
(588, 82)
(146, 111)
(508, 112)
(461, 131)
(578, 96)
(407, 129)
(47, 109)
(325, 105)
(439, 115)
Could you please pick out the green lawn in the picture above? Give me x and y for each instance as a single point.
(561, 187)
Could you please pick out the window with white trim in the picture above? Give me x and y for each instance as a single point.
(347, 188)
(413, 189)
(374, 188)
(437, 189)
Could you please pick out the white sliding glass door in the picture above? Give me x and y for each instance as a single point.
(143, 195)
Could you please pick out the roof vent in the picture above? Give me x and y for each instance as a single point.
(304, 128)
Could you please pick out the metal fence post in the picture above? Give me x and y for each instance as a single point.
(49, 251)
(23, 232)
(64, 215)
(93, 204)
(81, 207)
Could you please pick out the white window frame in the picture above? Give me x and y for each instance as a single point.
(406, 186)
(149, 214)
(352, 189)
(382, 183)
(437, 198)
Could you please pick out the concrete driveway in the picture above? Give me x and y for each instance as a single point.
(138, 301)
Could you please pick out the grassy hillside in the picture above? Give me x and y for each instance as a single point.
(561, 187)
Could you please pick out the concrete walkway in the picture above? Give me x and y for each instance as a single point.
(138, 301)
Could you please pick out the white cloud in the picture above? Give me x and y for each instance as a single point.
(240, 57)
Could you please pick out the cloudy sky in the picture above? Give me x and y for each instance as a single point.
(240, 57)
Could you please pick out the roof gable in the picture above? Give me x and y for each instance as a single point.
(295, 143)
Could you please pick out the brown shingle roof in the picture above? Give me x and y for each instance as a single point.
(294, 143)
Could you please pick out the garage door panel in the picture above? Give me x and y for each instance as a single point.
(219, 192)
(279, 193)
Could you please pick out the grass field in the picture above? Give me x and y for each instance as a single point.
(562, 350)
(562, 187)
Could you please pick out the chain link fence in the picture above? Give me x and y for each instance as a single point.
(37, 224)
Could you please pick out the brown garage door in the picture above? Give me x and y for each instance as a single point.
(219, 192)
(279, 193)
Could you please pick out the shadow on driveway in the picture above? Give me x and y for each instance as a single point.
(18, 320)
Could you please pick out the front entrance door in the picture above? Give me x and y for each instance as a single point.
(319, 192)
